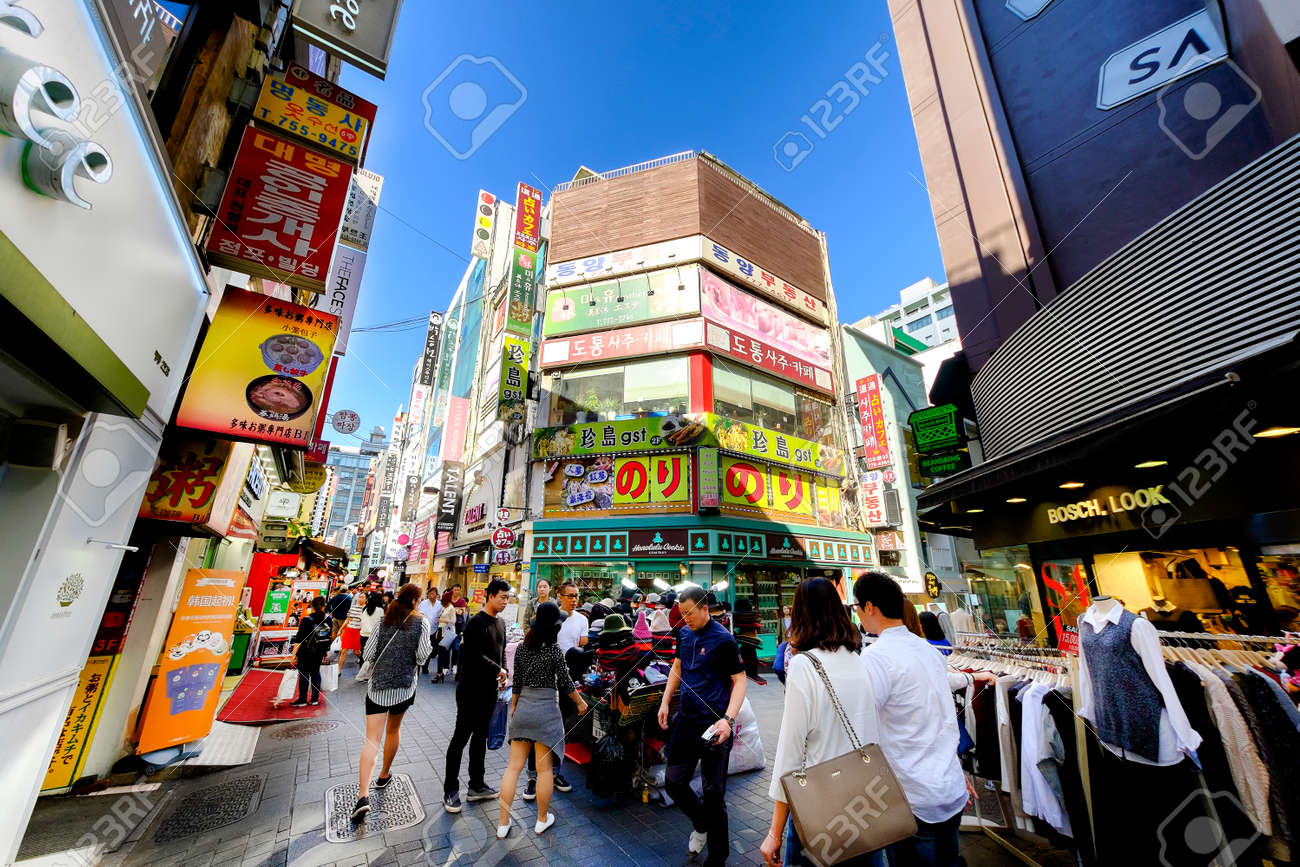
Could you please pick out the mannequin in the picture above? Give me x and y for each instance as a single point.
(1166, 616)
(1132, 704)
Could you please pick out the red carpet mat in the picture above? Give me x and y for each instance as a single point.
(251, 702)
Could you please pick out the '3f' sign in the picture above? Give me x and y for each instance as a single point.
(30, 92)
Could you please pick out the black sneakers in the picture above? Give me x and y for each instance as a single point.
(360, 810)
(451, 803)
(530, 790)
(382, 783)
(487, 793)
(561, 784)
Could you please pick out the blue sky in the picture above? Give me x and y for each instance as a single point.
(609, 85)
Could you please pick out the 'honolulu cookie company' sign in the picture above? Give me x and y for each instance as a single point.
(1098, 507)
(657, 543)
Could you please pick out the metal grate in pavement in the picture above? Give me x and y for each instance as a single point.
(211, 808)
(306, 728)
(396, 807)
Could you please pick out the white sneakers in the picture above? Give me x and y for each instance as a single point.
(502, 831)
(542, 826)
(696, 846)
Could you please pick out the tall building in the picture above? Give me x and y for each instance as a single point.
(924, 313)
(690, 425)
(351, 467)
(1113, 186)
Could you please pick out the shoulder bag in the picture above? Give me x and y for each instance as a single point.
(849, 805)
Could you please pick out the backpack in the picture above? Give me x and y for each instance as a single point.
(318, 640)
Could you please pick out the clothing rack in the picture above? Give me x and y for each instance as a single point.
(1223, 636)
(995, 647)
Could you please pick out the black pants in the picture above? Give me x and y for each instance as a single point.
(686, 749)
(474, 705)
(308, 675)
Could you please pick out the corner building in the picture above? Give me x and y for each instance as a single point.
(691, 425)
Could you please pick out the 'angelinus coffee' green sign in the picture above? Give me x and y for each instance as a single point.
(936, 428)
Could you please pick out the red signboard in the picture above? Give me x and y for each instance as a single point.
(319, 451)
(503, 537)
(528, 218)
(875, 442)
(757, 353)
(280, 212)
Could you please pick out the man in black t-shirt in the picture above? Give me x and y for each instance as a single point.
(711, 675)
(310, 644)
(482, 671)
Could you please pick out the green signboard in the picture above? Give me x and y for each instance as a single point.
(944, 463)
(936, 428)
(625, 301)
(519, 313)
(676, 432)
(513, 387)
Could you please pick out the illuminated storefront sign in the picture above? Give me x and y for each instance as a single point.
(605, 485)
(875, 440)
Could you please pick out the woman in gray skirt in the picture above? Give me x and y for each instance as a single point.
(541, 675)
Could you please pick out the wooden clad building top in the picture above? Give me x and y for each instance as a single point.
(677, 199)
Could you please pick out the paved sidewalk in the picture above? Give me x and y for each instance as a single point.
(278, 803)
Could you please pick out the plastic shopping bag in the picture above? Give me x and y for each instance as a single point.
(363, 673)
(288, 687)
(500, 721)
(329, 678)
(337, 646)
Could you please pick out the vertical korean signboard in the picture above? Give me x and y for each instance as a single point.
(514, 380)
(280, 212)
(523, 260)
(484, 216)
(183, 699)
(875, 441)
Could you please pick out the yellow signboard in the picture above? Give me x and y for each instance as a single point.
(759, 488)
(652, 479)
(79, 726)
(292, 106)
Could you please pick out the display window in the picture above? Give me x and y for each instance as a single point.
(1190, 590)
(595, 581)
(637, 389)
(1004, 582)
(745, 395)
(1279, 568)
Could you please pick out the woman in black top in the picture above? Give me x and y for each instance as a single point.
(309, 648)
(541, 676)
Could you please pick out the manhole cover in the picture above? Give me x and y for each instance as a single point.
(396, 807)
(211, 808)
(291, 731)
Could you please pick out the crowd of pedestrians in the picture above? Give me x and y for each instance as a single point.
(881, 681)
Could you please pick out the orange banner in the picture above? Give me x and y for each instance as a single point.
(183, 698)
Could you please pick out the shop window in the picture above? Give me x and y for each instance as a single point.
(1065, 584)
(638, 389)
(1003, 580)
(1279, 566)
(1191, 590)
(740, 394)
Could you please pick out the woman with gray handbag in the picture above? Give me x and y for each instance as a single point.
(835, 797)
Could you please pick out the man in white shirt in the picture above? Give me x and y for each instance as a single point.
(918, 723)
(430, 607)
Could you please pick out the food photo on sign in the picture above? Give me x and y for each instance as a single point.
(260, 370)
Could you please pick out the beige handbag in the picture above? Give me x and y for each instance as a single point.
(849, 805)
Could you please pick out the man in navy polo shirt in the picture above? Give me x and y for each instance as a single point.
(712, 678)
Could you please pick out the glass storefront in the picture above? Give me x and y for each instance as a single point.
(637, 389)
(1003, 580)
(1279, 569)
(741, 394)
(1201, 589)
